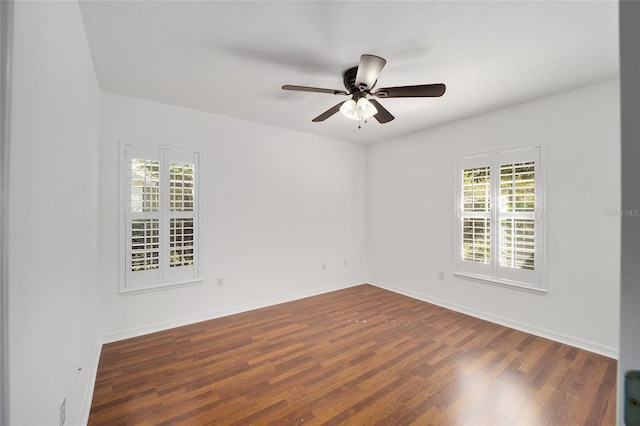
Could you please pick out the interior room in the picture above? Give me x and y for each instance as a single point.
(288, 208)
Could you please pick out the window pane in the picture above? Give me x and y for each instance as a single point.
(181, 187)
(476, 190)
(517, 187)
(145, 184)
(181, 242)
(145, 244)
(476, 240)
(517, 243)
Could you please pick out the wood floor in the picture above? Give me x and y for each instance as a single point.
(360, 356)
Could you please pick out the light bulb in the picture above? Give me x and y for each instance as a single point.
(365, 109)
(348, 109)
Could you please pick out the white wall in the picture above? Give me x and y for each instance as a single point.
(275, 205)
(411, 215)
(54, 138)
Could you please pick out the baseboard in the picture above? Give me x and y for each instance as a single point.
(165, 325)
(88, 398)
(608, 351)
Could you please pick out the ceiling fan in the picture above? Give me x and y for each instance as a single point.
(359, 82)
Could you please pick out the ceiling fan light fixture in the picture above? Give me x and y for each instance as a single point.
(349, 110)
(360, 110)
(365, 109)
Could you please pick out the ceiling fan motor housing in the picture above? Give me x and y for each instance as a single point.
(349, 80)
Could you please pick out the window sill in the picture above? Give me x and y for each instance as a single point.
(502, 283)
(158, 287)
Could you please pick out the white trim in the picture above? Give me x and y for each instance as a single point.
(501, 282)
(179, 322)
(157, 287)
(88, 397)
(605, 350)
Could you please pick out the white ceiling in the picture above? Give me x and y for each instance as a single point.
(231, 58)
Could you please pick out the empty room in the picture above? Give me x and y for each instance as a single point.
(318, 212)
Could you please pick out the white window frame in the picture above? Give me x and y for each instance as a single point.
(163, 276)
(493, 272)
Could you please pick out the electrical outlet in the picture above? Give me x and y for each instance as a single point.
(323, 265)
(220, 282)
(441, 275)
(346, 263)
(63, 411)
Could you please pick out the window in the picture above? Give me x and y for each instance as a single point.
(499, 231)
(160, 230)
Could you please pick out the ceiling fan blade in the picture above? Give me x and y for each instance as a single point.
(383, 116)
(328, 113)
(313, 89)
(368, 70)
(419, 91)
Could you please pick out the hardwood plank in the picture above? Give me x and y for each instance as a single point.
(362, 356)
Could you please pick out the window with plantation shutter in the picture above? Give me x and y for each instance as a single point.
(160, 227)
(476, 221)
(517, 215)
(499, 236)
